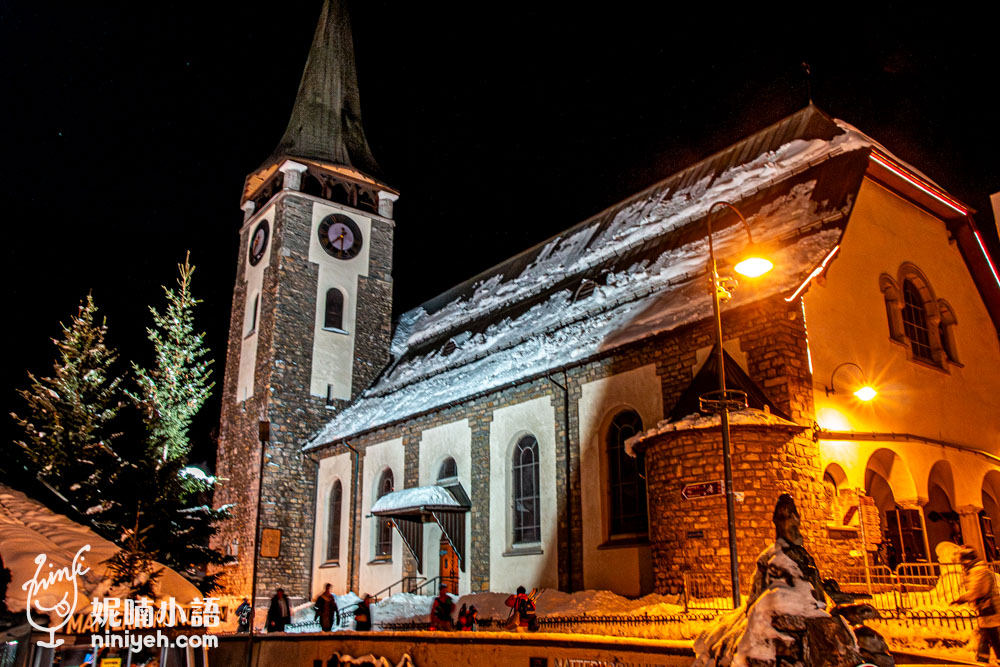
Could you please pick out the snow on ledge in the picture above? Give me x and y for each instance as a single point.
(747, 417)
(417, 496)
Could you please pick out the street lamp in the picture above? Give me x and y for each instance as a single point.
(722, 401)
(865, 393)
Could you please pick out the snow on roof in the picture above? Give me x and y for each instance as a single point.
(417, 496)
(649, 253)
(29, 529)
(746, 417)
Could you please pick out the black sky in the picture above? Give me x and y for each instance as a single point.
(128, 128)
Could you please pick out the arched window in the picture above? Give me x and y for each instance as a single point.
(383, 537)
(524, 469)
(448, 470)
(626, 483)
(334, 317)
(333, 534)
(915, 322)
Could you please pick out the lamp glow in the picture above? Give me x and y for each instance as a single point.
(866, 393)
(753, 267)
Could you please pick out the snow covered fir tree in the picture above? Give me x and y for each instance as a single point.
(116, 459)
(537, 424)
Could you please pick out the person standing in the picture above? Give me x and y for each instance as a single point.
(326, 609)
(363, 614)
(981, 593)
(244, 614)
(441, 610)
(522, 616)
(279, 614)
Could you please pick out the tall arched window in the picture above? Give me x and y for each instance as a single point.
(334, 316)
(383, 537)
(915, 322)
(626, 483)
(333, 534)
(524, 469)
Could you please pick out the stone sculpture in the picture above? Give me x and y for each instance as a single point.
(784, 621)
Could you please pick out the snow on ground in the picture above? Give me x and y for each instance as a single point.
(29, 529)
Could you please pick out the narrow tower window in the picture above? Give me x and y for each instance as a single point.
(383, 536)
(334, 318)
(527, 519)
(333, 539)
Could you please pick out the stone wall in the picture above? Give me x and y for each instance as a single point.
(282, 397)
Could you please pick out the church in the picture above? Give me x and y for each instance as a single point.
(540, 424)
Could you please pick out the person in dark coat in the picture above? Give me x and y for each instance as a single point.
(363, 614)
(326, 610)
(279, 614)
(441, 611)
(244, 614)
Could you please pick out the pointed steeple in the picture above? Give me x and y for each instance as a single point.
(326, 120)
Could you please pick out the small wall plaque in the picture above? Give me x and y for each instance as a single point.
(270, 543)
(695, 534)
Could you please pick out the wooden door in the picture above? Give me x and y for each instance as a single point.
(449, 566)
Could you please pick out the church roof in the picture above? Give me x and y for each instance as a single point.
(326, 120)
(707, 380)
(635, 270)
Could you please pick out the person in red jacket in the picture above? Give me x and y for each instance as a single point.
(522, 616)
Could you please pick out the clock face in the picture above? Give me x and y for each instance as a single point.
(340, 236)
(258, 242)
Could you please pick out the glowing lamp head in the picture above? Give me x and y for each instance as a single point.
(866, 393)
(752, 267)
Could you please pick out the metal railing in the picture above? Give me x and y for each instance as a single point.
(707, 591)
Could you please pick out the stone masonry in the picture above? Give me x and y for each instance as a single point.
(281, 396)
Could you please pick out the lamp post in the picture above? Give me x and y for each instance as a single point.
(752, 267)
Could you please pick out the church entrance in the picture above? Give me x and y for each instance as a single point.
(449, 566)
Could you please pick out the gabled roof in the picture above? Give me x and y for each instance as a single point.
(707, 380)
(795, 182)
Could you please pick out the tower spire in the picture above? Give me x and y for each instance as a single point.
(326, 120)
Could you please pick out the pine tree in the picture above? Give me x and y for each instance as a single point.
(169, 395)
(173, 391)
(70, 415)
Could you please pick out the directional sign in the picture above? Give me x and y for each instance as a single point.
(703, 490)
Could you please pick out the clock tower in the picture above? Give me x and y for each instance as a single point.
(310, 323)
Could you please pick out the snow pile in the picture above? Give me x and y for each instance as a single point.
(418, 496)
(651, 296)
(29, 529)
(406, 607)
(748, 416)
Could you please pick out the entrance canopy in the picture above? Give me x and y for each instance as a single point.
(409, 509)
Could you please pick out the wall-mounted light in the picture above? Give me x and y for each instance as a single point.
(864, 393)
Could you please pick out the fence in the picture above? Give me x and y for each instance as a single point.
(916, 593)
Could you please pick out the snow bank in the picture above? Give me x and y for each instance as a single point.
(29, 529)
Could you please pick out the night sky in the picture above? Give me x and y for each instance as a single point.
(128, 128)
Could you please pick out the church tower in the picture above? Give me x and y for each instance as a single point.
(310, 323)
